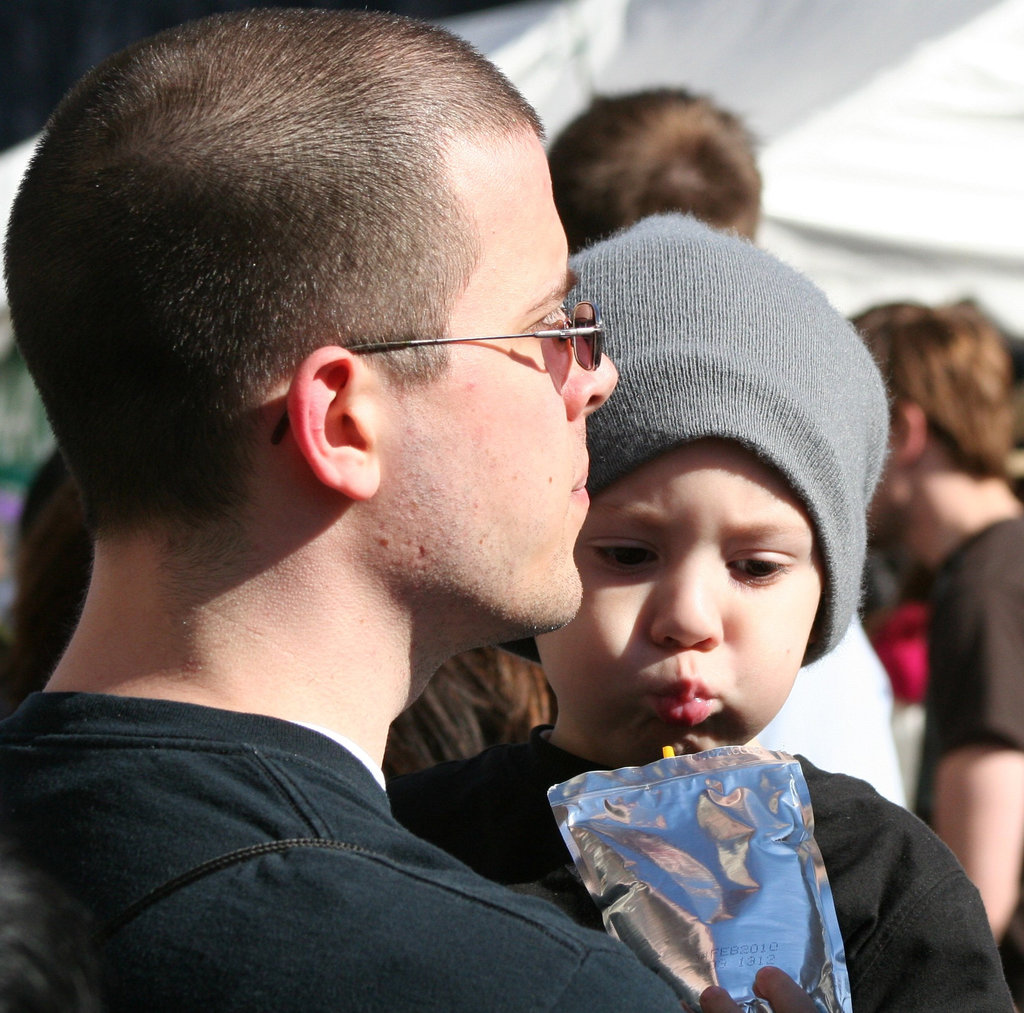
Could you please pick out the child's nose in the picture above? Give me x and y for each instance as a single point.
(686, 616)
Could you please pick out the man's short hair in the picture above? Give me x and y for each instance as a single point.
(629, 156)
(954, 363)
(210, 205)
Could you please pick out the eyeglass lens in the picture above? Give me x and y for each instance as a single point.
(585, 346)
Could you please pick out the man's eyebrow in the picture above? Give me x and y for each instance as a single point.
(556, 294)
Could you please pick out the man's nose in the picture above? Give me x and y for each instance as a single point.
(586, 390)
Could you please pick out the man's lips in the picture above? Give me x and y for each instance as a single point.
(582, 475)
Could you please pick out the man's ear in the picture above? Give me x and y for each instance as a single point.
(909, 432)
(334, 413)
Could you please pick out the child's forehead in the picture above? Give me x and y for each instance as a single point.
(713, 453)
(645, 492)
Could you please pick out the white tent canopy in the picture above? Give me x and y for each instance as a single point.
(892, 130)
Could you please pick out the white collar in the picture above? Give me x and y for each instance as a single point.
(346, 743)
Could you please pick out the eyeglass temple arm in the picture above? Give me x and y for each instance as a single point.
(565, 333)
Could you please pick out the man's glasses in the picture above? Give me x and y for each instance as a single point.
(583, 330)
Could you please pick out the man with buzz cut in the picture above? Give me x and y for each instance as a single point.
(295, 525)
(291, 286)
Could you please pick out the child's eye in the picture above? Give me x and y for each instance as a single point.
(625, 555)
(758, 570)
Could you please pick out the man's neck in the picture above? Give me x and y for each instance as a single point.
(278, 642)
(954, 507)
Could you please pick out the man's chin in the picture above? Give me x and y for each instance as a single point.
(539, 627)
(540, 620)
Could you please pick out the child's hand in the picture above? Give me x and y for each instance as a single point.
(777, 987)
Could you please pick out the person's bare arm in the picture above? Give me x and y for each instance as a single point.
(781, 991)
(979, 812)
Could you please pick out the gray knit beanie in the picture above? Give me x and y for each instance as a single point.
(713, 337)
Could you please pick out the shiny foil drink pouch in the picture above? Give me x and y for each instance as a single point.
(706, 867)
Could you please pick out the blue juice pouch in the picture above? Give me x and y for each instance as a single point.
(706, 866)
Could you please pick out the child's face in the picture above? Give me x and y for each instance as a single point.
(700, 586)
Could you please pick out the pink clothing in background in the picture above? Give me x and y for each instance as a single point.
(901, 643)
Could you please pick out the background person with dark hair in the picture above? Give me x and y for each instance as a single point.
(628, 156)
